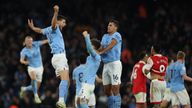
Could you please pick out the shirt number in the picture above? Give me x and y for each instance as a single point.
(80, 77)
(162, 68)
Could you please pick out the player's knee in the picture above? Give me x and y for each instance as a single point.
(78, 101)
(175, 106)
(32, 75)
(187, 106)
(163, 105)
(108, 91)
(64, 75)
(115, 90)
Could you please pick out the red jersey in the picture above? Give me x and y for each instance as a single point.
(138, 78)
(159, 64)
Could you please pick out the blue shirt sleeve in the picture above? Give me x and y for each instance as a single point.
(89, 46)
(117, 37)
(102, 41)
(183, 70)
(22, 54)
(166, 75)
(46, 30)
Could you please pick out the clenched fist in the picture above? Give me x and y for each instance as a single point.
(56, 8)
(85, 33)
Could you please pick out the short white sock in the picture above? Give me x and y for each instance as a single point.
(61, 99)
(36, 95)
(23, 88)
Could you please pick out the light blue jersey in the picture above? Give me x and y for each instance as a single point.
(115, 53)
(168, 75)
(92, 63)
(78, 77)
(55, 39)
(33, 55)
(177, 82)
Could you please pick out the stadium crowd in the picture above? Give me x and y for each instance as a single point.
(142, 23)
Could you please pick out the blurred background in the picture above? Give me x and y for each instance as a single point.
(142, 23)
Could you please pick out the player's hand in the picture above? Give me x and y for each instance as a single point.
(26, 63)
(56, 8)
(85, 33)
(100, 52)
(30, 24)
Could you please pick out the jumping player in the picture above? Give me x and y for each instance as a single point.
(59, 60)
(31, 56)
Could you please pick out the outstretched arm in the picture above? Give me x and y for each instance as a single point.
(185, 77)
(35, 29)
(54, 19)
(88, 44)
(44, 42)
(110, 46)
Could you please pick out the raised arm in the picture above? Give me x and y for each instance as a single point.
(88, 44)
(44, 42)
(35, 29)
(110, 46)
(54, 19)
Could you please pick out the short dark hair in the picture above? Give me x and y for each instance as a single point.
(115, 22)
(170, 59)
(157, 48)
(61, 17)
(180, 55)
(141, 55)
(96, 43)
(83, 58)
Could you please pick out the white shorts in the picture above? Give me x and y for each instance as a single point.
(140, 97)
(38, 71)
(157, 90)
(112, 73)
(167, 95)
(180, 98)
(59, 62)
(86, 91)
(92, 100)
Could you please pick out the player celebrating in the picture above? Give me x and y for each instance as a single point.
(78, 80)
(167, 95)
(178, 75)
(139, 81)
(157, 64)
(31, 56)
(110, 52)
(89, 73)
(59, 60)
